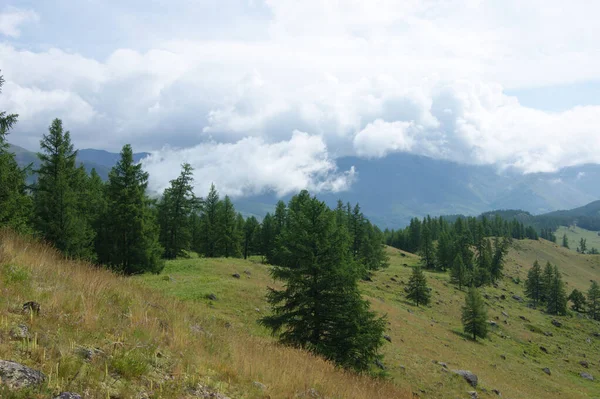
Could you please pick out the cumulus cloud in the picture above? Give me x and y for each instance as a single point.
(12, 18)
(252, 166)
(361, 78)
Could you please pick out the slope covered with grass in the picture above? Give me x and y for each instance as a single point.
(522, 342)
(105, 336)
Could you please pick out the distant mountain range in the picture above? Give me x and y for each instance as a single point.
(393, 189)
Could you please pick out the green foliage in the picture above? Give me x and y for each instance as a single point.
(578, 299)
(418, 291)
(582, 248)
(251, 245)
(427, 250)
(229, 230)
(320, 307)
(474, 315)
(534, 286)
(130, 364)
(459, 274)
(565, 241)
(593, 301)
(59, 203)
(210, 237)
(556, 296)
(132, 245)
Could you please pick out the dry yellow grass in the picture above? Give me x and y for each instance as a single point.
(145, 342)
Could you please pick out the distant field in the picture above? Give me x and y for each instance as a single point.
(574, 234)
(423, 336)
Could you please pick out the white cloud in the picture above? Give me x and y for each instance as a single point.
(252, 166)
(367, 78)
(12, 18)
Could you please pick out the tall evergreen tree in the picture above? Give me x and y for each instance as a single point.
(565, 241)
(267, 238)
(231, 236)
(427, 250)
(175, 208)
(59, 194)
(582, 246)
(578, 300)
(556, 295)
(500, 250)
(418, 291)
(210, 226)
(534, 286)
(320, 307)
(444, 252)
(251, 236)
(593, 301)
(459, 274)
(131, 225)
(15, 203)
(474, 315)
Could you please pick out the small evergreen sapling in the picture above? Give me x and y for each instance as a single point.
(418, 292)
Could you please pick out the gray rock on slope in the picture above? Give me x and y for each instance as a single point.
(468, 376)
(68, 395)
(17, 376)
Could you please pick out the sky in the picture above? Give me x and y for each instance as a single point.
(265, 95)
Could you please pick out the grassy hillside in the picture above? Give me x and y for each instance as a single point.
(511, 360)
(575, 234)
(105, 336)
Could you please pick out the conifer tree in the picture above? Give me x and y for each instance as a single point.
(175, 208)
(444, 252)
(15, 204)
(131, 226)
(459, 274)
(95, 208)
(547, 278)
(534, 287)
(418, 291)
(474, 315)
(582, 246)
(556, 295)
(565, 241)
(58, 196)
(578, 299)
(267, 238)
(251, 236)
(593, 301)
(210, 226)
(230, 235)
(320, 307)
(427, 250)
(497, 265)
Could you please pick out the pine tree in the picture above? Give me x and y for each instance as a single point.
(210, 226)
(320, 307)
(130, 223)
(593, 301)
(251, 236)
(565, 241)
(418, 291)
(534, 287)
(578, 300)
(556, 295)
(474, 315)
(15, 203)
(427, 250)
(230, 237)
(175, 208)
(58, 196)
(459, 274)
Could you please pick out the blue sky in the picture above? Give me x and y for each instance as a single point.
(508, 83)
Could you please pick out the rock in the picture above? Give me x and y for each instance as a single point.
(588, 341)
(367, 278)
(543, 349)
(468, 376)
(379, 364)
(587, 376)
(444, 365)
(235, 275)
(503, 297)
(310, 393)
(387, 338)
(524, 318)
(556, 323)
(473, 394)
(212, 297)
(597, 335)
(17, 376)
(548, 334)
(504, 314)
(517, 298)
(68, 395)
(497, 392)
(493, 323)
(207, 393)
(260, 385)
(546, 370)
(393, 279)
(585, 364)
(88, 353)
(247, 272)
(503, 357)
(31, 306)
(19, 332)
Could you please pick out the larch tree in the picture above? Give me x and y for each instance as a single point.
(427, 249)
(534, 286)
(459, 274)
(565, 241)
(320, 307)
(251, 237)
(131, 226)
(556, 302)
(593, 301)
(418, 291)
(474, 315)
(210, 226)
(577, 298)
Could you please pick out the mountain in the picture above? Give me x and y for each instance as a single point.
(393, 189)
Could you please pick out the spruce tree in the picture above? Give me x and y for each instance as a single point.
(459, 274)
(175, 208)
(593, 301)
(578, 299)
(427, 250)
(320, 307)
(267, 238)
(230, 236)
(130, 222)
(444, 252)
(534, 287)
(58, 198)
(565, 241)
(547, 278)
(15, 203)
(418, 291)
(582, 246)
(556, 295)
(500, 250)
(210, 226)
(251, 237)
(474, 315)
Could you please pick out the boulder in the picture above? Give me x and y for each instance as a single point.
(468, 376)
(504, 314)
(546, 370)
(473, 394)
(212, 297)
(387, 338)
(68, 395)
(492, 323)
(235, 275)
(31, 306)
(587, 376)
(585, 364)
(17, 376)
(497, 392)
(517, 298)
(543, 349)
(310, 393)
(260, 385)
(556, 323)
(443, 364)
(379, 364)
(19, 332)
(207, 393)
